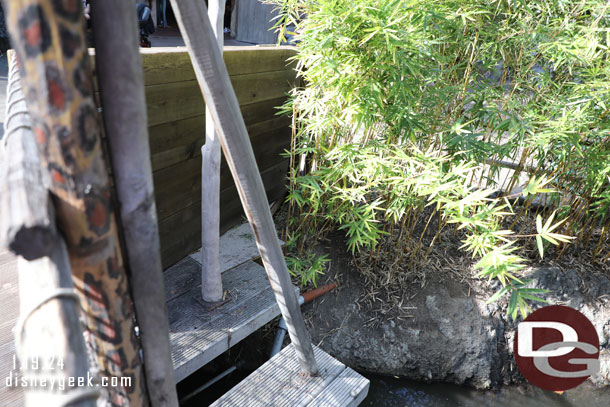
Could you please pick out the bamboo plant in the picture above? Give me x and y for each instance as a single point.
(485, 119)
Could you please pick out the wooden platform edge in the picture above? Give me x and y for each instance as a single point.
(250, 314)
(280, 383)
(237, 246)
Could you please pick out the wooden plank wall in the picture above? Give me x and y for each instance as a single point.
(261, 78)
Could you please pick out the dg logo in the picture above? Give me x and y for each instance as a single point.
(556, 348)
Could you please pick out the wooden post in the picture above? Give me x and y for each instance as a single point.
(121, 84)
(211, 281)
(233, 27)
(49, 39)
(216, 87)
(49, 331)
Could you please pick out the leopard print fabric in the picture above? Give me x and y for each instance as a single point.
(49, 39)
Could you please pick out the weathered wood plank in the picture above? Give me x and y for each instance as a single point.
(237, 246)
(261, 86)
(168, 102)
(179, 185)
(180, 278)
(197, 335)
(180, 231)
(349, 389)
(172, 143)
(258, 112)
(165, 65)
(5, 257)
(280, 383)
(9, 310)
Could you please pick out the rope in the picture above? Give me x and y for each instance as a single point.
(75, 396)
(56, 293)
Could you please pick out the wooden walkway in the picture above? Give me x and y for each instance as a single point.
(198, 334)
(9, 311)
(279, 382)
(237, 246)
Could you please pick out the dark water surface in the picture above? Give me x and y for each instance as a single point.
(390, 392)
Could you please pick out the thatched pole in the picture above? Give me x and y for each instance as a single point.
(49, 39)
(49, 333)
(121, 84)
(211, 281)
(220, 98)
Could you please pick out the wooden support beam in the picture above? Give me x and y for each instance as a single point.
(48, 331)
(121, 84)
(211, 282)
(49, 39)
(216, 87)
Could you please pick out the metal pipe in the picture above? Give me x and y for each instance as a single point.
(281, 326)
(279, 336)
(211, 382)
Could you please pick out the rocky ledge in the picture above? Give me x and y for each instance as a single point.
(449, 333)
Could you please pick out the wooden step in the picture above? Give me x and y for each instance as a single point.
(198, 334)
(279, 382)
(237, 246)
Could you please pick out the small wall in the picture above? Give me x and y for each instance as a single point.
(176, 121)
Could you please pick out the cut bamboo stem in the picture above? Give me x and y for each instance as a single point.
(49, 332)
(219, 96)
(211, 281)
(29, 231)
(121, 84)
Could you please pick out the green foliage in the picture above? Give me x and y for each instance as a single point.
(451, 105)
(308, 268)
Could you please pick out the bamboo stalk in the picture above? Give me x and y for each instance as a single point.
(211, 281)
(26, 227)
(49, 38)
(121, 83)
(216, 88)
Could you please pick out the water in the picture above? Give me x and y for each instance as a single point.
(390, 392)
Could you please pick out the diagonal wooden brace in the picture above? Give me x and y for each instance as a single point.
(222, 103)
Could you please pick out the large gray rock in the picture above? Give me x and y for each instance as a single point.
(452, 335)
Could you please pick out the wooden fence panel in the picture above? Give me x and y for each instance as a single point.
(262, 78)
